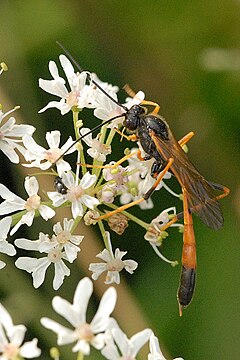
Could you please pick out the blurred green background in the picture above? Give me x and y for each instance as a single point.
(185, 55)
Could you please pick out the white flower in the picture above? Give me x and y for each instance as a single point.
(11, 339)
(31, 205)
(83, 333)
(76, 194)
(38, 267)
(11, 134)
(64, 240)
(155, 235)
(155, 352)
(61, 246)
(124, 348)
(108, 109)
(114, 264)
(98, 150)
(43, 158)
(79, 95)
(158, 222)
(5, 247)
(136, 100)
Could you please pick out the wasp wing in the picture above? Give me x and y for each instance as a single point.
(200, 192)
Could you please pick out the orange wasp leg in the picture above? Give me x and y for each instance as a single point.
(131, 93)
(220, 187)
(119, 162)
(145, 197)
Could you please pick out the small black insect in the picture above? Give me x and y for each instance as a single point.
(59, 186)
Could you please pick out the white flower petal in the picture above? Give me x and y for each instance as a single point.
(89, 201)
(140, 339)
(30, 350)
(31, 185)
(5, 225)
(46, 212)
(106, 307)
(66, 310)
(61, 270)
(81, 297)
(88, 180)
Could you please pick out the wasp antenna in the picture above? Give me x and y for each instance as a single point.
(87, 133)
(89, 76)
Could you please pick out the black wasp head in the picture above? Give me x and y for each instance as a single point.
(131, 121)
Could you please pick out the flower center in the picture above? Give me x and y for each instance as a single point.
(55, 255)
(10, 351)
(85, 333)
(72, 98)
(32, 202)
(53, 154)
(100, 147)
(115, 265)
(75, 192)
(63, 237)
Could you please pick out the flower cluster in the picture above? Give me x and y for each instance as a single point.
(87, 194)
(90, 191)
(103, 332)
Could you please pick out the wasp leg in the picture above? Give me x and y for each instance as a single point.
(131, 93)
(158, 179)
(186, 138)
(124, 207)
(132, 137)
(220, 187)
(124, 158)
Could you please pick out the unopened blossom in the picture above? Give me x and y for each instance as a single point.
(155, 351)
(77, 194)
(83, 334)
(44, 158)
(119, 347)
(113, 264)
(106, 194)
(5, 247)
(77, 94)
(117, 176)
(12, 337)
(11, 136)
(14, 203)
(3, 67)
(97, 150)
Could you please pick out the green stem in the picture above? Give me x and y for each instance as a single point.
(80, 356)
(77, 135)
(103, 232)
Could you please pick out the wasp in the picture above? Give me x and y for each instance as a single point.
(199, 195)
